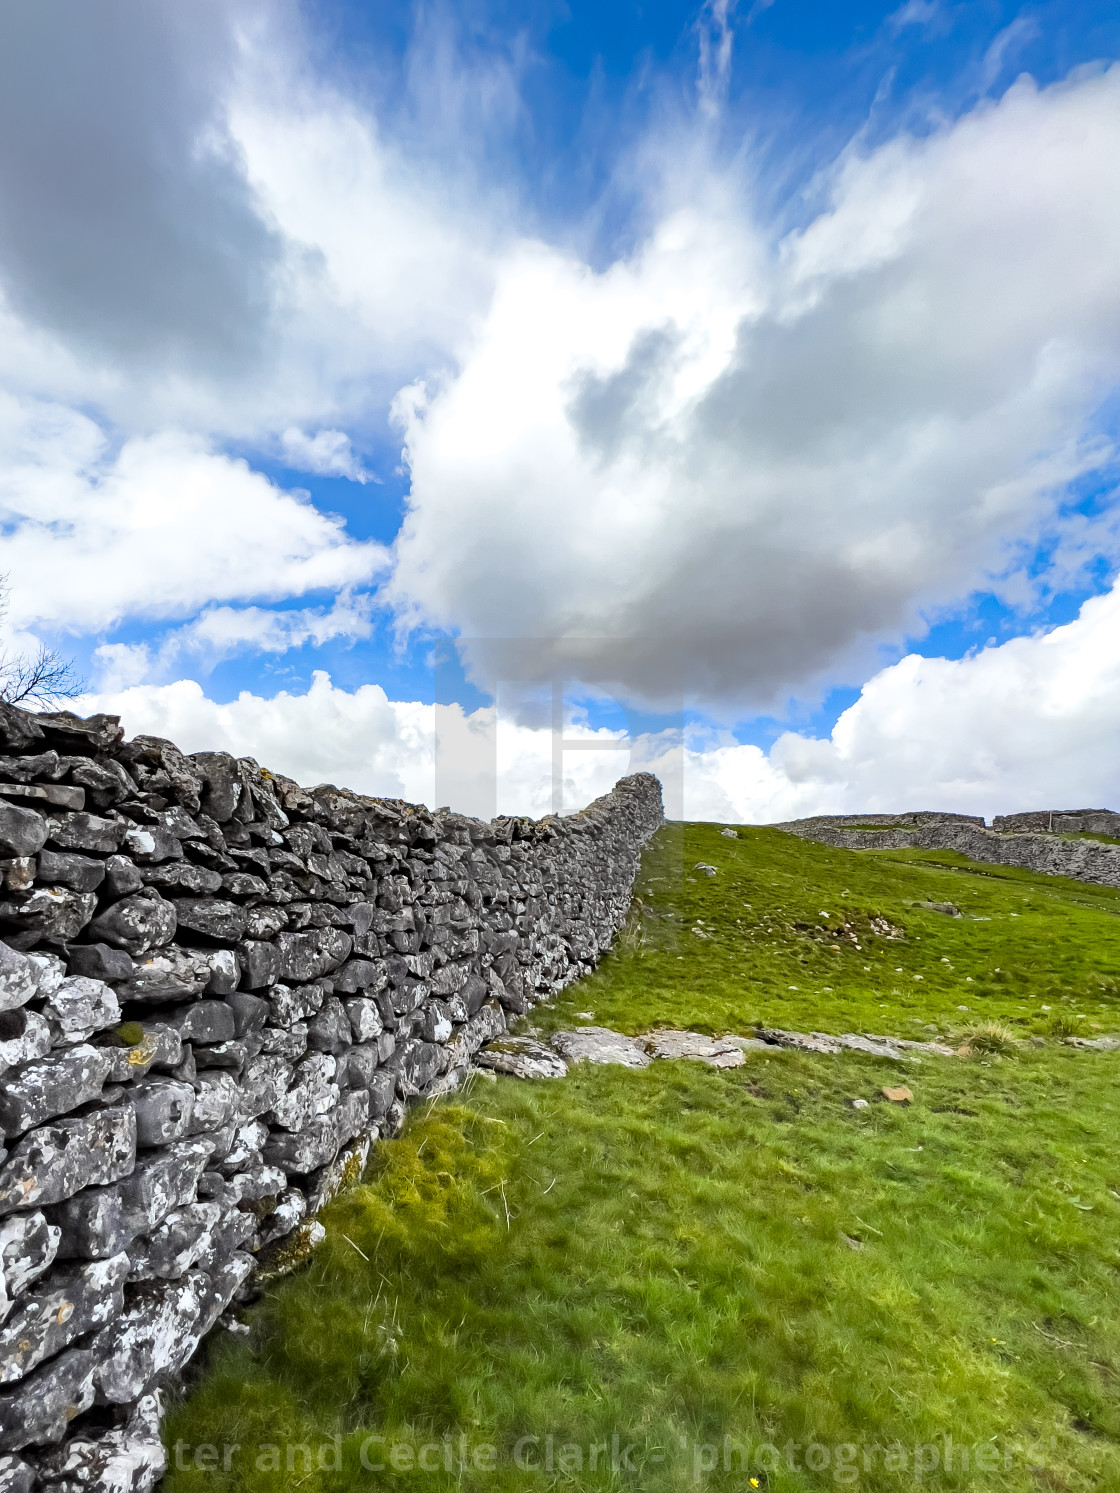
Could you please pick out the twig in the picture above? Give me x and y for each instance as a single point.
(505, 1205)
(1052, 1337)
(354, 1246)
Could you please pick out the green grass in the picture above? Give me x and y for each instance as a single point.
(679, 1255)
(762, 943)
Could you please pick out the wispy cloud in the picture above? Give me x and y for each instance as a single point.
(327, 453)
(716, 41)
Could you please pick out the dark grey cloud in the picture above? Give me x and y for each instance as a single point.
(608, 410)
(126, 225)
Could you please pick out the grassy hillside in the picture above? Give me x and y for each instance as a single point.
(772, 938)
(677, 1255)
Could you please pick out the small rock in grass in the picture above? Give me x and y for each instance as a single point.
(706, 870)
(857, 1104)
(899, 1095)
(852, 1242)
(730, 834)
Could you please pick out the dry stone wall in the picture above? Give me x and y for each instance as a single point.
(216, 989)
(1023, 840)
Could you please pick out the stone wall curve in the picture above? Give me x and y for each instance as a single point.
(217, 988)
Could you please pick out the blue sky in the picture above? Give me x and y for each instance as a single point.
(771, 345)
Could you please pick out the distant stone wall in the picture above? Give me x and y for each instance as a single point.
(1059, 822)
(216, 990)
(1013, 840)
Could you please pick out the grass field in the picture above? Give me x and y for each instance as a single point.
(740, 1277)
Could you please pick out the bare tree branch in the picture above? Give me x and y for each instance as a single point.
(41, 680)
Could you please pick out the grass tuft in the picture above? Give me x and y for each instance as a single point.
(990, 1037)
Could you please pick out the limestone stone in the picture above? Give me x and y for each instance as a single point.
(150, 1338)
(28, 1246)
(22, 831)
(24, 1035)
(136, 923)
(65, 1305)
(122, 876)
(291, 1209)
(18, 979)
(92, 1225)
(20, 730)
(361, 1063)
(53, 912)
(263, 1084)
(79, 1007)
(364, 1017)
(94, 733)
(329, 1029)
(597, 1044)
(521, 1057)
(800, 1041)
(56, 1161)
(358, 975)
(45, 1403)
(50, 1086)
(221, 777)
(159, 1046)
(82, 873)
(225, 971)
(169, 974)
(311, 1092)
(416, 1063)
(211, 918)
(290, 1004)
(86, 832)
(321, 1138)
(207, 1021)
(16, 1475)
(164, 1180)
(260, 963)
(130, 1460)
(250, 1012)
(176, 1243)
(307, 955)
(164, 1110)
(217, 1100)
(716, 1052)
(182, 879)
(382, 1091)
(100, 961)
(148, 844)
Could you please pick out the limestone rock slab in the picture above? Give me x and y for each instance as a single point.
(597, 1044)
(521, 1057)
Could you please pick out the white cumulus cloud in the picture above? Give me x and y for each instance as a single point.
(740, 467)
(160, 527)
